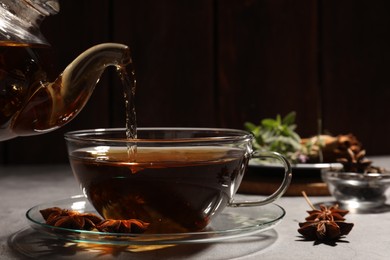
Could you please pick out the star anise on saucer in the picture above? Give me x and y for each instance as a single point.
(123, 226)
(324, 223)
(72, 219)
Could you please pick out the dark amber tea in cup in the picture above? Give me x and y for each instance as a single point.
(175, 179)
(174, 189)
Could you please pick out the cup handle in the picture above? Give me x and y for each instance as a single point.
(282, 188)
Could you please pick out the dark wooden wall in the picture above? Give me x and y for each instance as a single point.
(219, 63)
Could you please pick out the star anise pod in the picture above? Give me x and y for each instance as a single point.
(324, 229)
(333, 213)
(70, 218)
(355, 161)
(324, 223)
(123, 226)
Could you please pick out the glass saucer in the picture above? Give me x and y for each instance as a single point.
(231, 223)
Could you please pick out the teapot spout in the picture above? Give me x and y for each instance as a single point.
(55, 104)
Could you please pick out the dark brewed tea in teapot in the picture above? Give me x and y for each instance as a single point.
(22, 81)
(33, 103)
(30, 103)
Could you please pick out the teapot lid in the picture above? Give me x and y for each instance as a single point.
(20, 20)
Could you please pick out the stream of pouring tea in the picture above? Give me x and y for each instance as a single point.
(127, 76)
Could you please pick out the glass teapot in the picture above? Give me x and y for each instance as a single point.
(29, 104)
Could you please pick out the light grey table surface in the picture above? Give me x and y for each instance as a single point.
(22, 187)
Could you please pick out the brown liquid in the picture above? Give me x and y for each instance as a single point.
(21, 84)
(174, 190)
(34, 100)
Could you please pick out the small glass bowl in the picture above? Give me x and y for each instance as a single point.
(357, 190)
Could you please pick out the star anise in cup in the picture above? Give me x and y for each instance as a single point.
(72, 219)
(123, 226)
(324, 223)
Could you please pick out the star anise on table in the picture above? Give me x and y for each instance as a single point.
(123, 226)
(324, 223)
(70, 218)
(333, 213)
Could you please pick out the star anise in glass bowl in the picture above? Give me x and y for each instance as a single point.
(359, 185)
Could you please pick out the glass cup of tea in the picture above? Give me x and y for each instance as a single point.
(175, 179)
